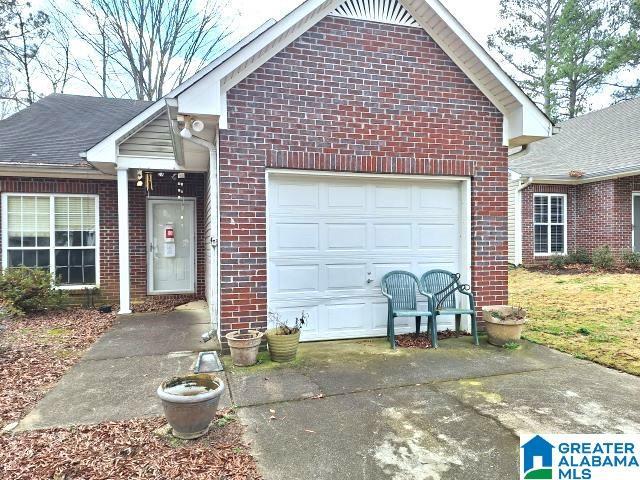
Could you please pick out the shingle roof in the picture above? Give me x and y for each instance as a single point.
(56, 129)
(599, 143)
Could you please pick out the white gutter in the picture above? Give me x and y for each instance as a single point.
(213, 241)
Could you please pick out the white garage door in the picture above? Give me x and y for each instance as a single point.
(332, 238)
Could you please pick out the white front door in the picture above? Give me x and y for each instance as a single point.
(332, 238)
(171, 246)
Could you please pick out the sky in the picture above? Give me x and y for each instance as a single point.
(479, 17)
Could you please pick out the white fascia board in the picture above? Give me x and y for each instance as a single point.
(525, 122)
(207, 96)
(52, 171)
(148, 163)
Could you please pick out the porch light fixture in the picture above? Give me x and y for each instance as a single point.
(186, 133)
(197, 125)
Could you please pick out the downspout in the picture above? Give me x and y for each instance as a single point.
(213, 175)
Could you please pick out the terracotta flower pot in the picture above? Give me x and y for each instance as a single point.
(190, 403)
(282, 348)
(502, 329)
(244, 347)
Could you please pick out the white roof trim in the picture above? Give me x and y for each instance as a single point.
(205, 92)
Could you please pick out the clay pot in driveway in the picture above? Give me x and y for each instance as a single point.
(244, 347)
(190, 403)
(504, 323)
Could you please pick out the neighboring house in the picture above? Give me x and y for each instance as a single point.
(579, 189)
(324, 150)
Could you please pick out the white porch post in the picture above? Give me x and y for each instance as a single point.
(123, 240)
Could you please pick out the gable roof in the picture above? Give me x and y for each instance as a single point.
(599, 144)
(56, 129)
(204, 94)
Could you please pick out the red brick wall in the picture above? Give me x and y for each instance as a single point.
(599, 214)
(356, 96)
(108, 206)
(108, 214)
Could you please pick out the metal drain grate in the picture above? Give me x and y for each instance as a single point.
(208, 362)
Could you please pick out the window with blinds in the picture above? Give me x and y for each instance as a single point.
(54, 232)
(549, 223)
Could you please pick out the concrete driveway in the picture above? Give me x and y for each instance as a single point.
(357, 410)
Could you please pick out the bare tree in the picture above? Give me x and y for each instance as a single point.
(22, 36)
(155, 44)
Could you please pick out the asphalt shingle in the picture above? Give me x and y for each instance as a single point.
(599, 143)
(56, 129)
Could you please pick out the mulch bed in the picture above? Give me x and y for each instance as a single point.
(576, 268)
(125, 450)
(36, 350)
(409, 340)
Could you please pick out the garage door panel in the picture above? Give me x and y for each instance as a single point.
(346, 276)
(298, 195)
(332, 235)
(292, 278)
(346, 197)
(346, 236)
(392, 198)
(297, 236)
(348, 316)
(397, 236)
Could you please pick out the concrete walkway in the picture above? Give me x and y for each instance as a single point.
(118, 377)
(357, 410)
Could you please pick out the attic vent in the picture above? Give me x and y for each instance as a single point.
(384, 11)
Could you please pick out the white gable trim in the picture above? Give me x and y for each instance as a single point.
(204, 94)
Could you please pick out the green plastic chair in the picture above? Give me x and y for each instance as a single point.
(443, 286)
(401, 289)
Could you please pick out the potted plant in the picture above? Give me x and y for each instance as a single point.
(504, 323)
(190, 403)
(244, 346)
(283, 340)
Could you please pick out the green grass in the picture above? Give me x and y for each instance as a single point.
(594, 316)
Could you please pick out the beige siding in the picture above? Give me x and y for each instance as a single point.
(513, 191)
(152, 140)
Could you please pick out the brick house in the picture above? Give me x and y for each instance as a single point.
(579, 189)
(324, 150)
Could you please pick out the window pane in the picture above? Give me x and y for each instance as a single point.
(541, 239)
(28, 221)
(557, 238)
(44, 259)
(541, 211)
(29, 258)
(557, 210)
(75, 238)
(43, 221)
(76, 267)
(15, 258)
(62, 239)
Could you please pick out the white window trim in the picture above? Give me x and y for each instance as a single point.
(549, 253)
(52, 246)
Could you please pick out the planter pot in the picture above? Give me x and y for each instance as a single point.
(502, 331)
(244, 347)
(190, 403)
(282, 348)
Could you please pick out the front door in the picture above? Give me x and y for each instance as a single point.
(171, 246)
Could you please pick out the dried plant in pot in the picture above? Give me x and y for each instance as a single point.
(504, 323)
(244, 346)
(282, 339)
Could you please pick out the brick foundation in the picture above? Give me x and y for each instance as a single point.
(356, 96)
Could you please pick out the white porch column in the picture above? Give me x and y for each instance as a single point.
(123, 240)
